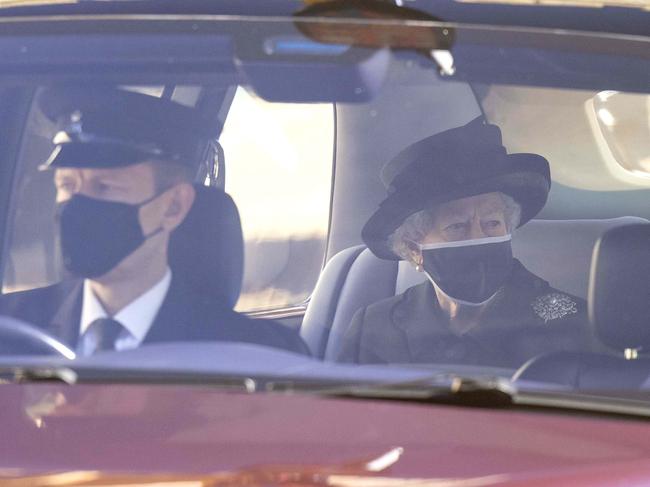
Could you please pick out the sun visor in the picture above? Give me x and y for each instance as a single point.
(575, 60)
(295, 69)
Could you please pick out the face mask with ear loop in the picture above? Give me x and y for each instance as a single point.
(96, 235)
(469, 271)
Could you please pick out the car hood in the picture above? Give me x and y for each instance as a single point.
(133, 434)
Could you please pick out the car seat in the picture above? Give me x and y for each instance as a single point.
(559, 251)
(619, 309)
(207, 249)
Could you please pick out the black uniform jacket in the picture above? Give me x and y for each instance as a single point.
(183, 316)
(524, 319)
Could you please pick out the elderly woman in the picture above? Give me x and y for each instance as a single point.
(454, 200)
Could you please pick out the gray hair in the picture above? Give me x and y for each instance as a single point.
(418, 225)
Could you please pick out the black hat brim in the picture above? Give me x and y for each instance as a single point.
(96, 155)
(529, 187)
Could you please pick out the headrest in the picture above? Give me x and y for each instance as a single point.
(619, 287)
(207, 249)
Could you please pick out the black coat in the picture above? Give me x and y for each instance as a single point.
(525, 319)
(183, 316)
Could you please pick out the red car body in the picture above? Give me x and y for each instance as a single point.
(139, 435)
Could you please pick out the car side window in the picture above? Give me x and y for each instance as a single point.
(279, 159)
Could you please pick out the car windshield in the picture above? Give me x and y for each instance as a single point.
(303, 197)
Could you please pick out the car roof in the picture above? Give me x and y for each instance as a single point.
(630, 17)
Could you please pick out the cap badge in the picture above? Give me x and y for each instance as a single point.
(75, 127)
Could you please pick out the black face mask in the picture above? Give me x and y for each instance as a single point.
(97, 235)
(471, 271)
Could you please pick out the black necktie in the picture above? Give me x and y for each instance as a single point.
(107, 331)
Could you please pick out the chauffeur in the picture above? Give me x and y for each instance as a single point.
(123, 169)
(454, 200)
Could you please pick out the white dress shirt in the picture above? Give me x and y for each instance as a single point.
(136, 317)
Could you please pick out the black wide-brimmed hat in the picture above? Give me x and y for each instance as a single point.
(458, 163)
(104, 127)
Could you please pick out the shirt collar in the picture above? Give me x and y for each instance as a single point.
(137, 317)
